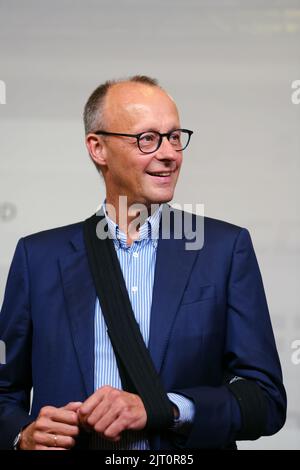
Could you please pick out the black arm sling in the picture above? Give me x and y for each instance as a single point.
(137, 372)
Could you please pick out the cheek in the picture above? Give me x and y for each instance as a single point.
(179, 160)
(143, 163)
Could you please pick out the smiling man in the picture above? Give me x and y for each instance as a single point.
(128, 339)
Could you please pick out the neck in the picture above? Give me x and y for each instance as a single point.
(129, 217)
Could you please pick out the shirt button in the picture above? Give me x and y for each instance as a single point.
(134, 289)
(135, 254)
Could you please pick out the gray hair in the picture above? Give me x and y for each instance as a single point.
(93, 111)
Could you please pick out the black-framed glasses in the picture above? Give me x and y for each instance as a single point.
(149, 142)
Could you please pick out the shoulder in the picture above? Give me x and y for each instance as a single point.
(54, 239)
(46, 247)
(212, 228)
(221, 233)
(221, 227)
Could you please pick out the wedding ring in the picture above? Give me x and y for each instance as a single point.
(55, 440)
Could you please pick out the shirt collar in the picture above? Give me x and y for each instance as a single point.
(148, 231)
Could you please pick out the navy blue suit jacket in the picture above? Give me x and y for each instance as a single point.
(209, 316)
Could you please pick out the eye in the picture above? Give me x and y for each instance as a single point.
(148, 141)
(175, 137)
(148, 137)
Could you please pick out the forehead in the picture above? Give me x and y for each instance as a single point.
(133, 102)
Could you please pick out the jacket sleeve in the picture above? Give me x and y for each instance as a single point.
(15, 332)
(256, 406)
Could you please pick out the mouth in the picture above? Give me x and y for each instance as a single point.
(161, 174)
(162, 178)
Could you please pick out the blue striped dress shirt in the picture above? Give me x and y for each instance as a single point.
(138, 264)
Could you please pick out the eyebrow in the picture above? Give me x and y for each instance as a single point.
(152, 129)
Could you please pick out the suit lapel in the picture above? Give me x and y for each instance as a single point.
(80, 299)
(173, 267)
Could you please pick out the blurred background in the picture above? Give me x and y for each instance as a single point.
(230, 66)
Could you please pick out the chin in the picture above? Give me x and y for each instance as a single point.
(160, 198)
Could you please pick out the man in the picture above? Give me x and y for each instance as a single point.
(202, 313)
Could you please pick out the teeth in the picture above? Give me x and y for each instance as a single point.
(161, 174)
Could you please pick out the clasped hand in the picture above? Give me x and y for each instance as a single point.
(108, 411)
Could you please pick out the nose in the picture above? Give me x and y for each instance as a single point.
(166, 150)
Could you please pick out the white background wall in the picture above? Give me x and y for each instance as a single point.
(228, 64)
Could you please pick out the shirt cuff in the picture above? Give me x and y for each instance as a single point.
(186, 410)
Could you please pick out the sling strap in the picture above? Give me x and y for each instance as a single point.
(253, 407)
(137, 371)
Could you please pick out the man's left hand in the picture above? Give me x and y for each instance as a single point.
(110, 411)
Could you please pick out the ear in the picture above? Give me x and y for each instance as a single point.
(96, 149)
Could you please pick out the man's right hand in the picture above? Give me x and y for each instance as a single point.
(54, 429)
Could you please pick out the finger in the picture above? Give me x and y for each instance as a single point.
(114, 430)
(56, 448)
(39, 447)
(90, 404)
(112, 439)
(63, 429)
(61, 415)
(104, 420)
(72, 406)
(48, 426)
(125, 421)
(53, 440)
(103, 409)
(56, 440)
(47, 411)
